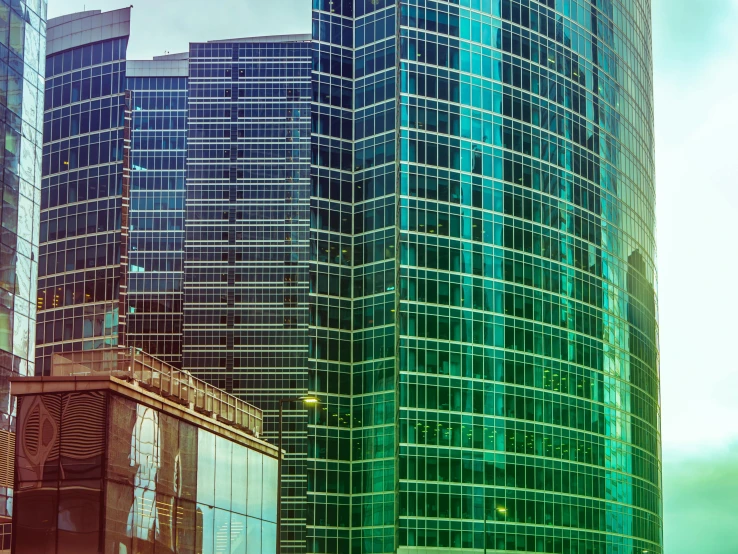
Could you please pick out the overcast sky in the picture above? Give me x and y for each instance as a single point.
(696, 81)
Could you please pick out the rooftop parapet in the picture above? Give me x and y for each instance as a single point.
(140, 369)
(83, 28)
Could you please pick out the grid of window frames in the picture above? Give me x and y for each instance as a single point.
(79, 261)
(526, 374)
(22, 47)
(156, 233)
(528, 357)
(247, 244)
(375, 376)
(331, 280)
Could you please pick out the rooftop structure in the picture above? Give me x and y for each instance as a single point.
(83, 28)
(118, 448)
(134, 368)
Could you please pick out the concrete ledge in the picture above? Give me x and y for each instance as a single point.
(79, 29)
(157, 68)
(62, 19)
(269, 38)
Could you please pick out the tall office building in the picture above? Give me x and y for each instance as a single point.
(112, 229)
(22, 47)
(482, 310)
(334, 282)
(247, 245)
(501, 356)
(231, 119)
(153, 206)
(81, 196)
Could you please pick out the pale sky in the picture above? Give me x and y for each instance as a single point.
(696, 82)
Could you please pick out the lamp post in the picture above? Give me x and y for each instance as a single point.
(485, 526)
(307, 400)
(501, 510)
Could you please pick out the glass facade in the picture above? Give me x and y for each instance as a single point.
(112, 200)
(246, 245)
(503, 354)
(107, 470)
(155, 242)
(467, 279)
(331, 283)
(22, 53)
(79, 261)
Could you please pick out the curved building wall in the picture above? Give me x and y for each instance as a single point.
(504, 342)
(528, 336)
(79, 261)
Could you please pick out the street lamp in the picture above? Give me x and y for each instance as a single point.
(485, 525)
(308, 401)
(501, 510)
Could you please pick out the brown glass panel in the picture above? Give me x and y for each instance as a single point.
(185, 527)
(118, 509)
(187, 461)
(165, 537)
(144, 518)
(168, 472)
(35, 520)
(38, 438)
(79, 518)
(143, 546)
(146, 448)
(120, 438)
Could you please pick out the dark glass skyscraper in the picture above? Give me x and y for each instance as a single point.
(153, 205)
(79, 262)
(113, 193)
(22, 47)
(246, 246)
(122, 137)
(503, 361)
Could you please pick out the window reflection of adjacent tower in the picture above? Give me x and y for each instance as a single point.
(143, 518)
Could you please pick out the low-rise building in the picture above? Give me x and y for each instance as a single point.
(119, 452)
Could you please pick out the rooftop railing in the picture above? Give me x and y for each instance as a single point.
(179, 386)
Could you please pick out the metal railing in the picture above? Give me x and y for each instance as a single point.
(134, 365)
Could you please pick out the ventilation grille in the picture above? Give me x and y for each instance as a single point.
(7, 455)
(83, 421)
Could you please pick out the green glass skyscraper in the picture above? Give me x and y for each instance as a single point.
(483, 320)
(483, 331)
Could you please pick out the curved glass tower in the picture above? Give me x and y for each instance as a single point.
(81, 193)
(502, 373)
